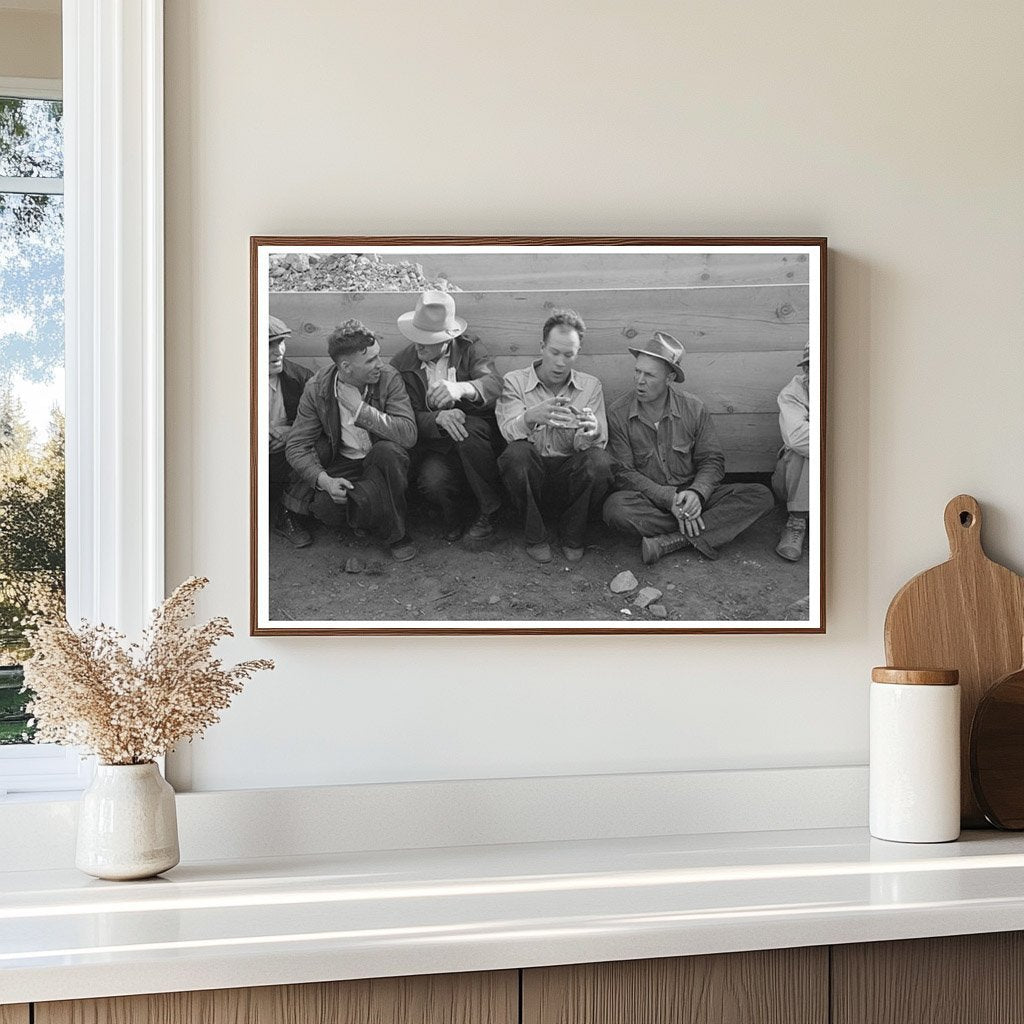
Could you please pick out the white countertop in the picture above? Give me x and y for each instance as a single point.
(224, 924)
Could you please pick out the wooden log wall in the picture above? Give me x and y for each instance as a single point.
(744, 333)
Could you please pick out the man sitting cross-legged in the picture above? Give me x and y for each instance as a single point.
(452, 386)
(669, 464)
(553, 419)
(350, 441)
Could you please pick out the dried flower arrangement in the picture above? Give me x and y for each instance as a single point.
(129, 704)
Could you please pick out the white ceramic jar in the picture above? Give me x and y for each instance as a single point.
(127, 823)
(915, 755)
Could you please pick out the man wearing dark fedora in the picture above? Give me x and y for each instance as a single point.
(452, 385)
(286, 381)
(349, 444)
(670, 464)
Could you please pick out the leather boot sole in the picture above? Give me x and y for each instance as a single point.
(297, 538)
(539, 552)
(790, 553)
(403, 552)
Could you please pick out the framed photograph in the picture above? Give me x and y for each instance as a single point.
(537, 435)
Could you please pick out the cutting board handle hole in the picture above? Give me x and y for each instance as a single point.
(966, 519)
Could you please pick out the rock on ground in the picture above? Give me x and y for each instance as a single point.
(647, 596)
(624, 582)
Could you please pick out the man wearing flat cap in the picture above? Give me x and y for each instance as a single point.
(287, 379)
(790, 481)
(670, 464)
(349, 444)
(452, 385)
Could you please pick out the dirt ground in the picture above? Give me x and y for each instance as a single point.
(498, 581)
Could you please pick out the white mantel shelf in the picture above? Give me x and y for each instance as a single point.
(224, 924)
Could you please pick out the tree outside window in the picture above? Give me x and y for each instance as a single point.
(32, 543)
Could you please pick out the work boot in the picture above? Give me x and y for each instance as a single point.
(539, 552)
(452, 530)
(483, 526)
(653, 548)
(791, 543)
(289, 527)
(404, 549)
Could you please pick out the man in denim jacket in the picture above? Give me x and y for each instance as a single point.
(669, 464)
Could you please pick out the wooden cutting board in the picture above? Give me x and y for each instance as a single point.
(967, 614)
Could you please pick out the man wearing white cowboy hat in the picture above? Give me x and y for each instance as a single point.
(791, 482)
(670, 464)
(452, 385)
(286, 381)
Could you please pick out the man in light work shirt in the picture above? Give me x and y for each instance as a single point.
(669, 464)
(554, 421)
(791, 481)
(452, 386)
(286, 381)
(350, 442)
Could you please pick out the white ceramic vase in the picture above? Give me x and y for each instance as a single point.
(127, 825)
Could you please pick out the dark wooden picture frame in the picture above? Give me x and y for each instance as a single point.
(733, 302)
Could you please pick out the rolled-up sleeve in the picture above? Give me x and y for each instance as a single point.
(594, 399)
(510, 410)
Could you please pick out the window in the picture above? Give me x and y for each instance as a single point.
(113, 331)
(32, 532)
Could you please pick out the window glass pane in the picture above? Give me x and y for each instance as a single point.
(31, 430)
(31, 138)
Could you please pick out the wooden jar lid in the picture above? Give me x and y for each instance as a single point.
(916, 676)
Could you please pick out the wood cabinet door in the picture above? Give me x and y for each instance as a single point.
(481, 998)
(960, 979)
(778, 986)
(14, 1014)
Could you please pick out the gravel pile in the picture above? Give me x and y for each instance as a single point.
(350, 272)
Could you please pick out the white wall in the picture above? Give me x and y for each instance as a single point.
(895, 129)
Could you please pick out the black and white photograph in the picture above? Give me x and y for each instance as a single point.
(537, 435)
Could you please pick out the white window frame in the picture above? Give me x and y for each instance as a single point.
(114, 324)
